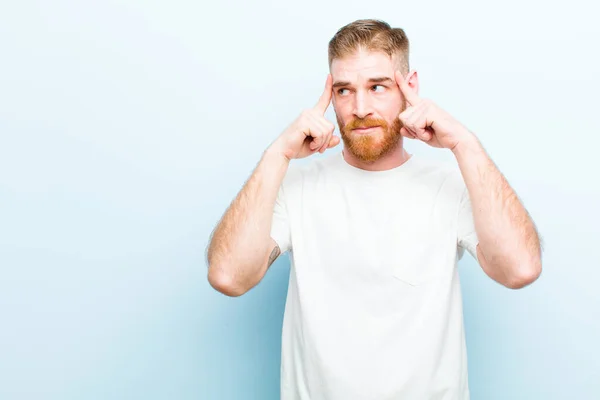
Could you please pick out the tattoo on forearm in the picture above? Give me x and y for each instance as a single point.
(274, 254)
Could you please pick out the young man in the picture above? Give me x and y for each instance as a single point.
(374, 307)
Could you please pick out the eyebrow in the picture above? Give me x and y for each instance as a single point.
(380, 79)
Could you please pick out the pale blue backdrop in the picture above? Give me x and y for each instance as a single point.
(126, 127)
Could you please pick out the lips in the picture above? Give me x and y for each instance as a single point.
(363, 129)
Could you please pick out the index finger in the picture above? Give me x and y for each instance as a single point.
(325, 98)
(410, 95)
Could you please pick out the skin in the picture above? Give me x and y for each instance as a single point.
(367, 89)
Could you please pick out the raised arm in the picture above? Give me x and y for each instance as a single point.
(509, 249)
(241, 249)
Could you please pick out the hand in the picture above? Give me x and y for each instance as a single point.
(425, 121)
(310, 132)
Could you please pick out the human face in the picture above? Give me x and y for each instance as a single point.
(367, 102)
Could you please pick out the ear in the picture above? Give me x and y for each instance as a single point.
(413, 81)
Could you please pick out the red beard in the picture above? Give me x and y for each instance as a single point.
(371, 146)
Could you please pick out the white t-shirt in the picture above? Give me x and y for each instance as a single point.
(374, 307)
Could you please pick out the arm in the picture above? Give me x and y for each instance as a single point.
(509, 248)
(241, 249)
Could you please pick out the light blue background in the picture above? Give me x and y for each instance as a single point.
(128, 126)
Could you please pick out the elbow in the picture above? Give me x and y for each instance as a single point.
(524, 275)
(225, 283)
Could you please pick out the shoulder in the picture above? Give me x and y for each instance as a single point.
(310, 169)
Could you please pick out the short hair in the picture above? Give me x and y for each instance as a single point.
(372, 35)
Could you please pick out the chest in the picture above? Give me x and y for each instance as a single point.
(372, 232)
(373, 215)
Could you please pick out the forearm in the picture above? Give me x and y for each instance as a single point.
(238, 250)
(508, 240)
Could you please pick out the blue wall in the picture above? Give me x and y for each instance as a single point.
(126, 127)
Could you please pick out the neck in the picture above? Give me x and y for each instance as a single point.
(391, 159)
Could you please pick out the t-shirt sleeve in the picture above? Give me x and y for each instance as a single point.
(280, 227)
(467, 237)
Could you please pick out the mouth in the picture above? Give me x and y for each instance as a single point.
(365, 129)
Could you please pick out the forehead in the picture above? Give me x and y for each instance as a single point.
(361, 66)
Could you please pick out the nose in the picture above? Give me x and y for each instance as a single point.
(362, 106)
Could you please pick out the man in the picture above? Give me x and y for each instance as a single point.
(374, 305)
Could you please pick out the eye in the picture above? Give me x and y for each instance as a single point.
(381, 88)
(341, 91)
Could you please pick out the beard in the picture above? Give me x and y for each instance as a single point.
(369, 147)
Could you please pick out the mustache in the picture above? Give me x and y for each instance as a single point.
(357, 123)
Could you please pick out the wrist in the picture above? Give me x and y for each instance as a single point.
(467, 142)
(276, 154)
